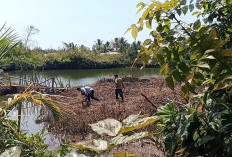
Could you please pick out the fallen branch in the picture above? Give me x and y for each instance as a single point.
(149, 100)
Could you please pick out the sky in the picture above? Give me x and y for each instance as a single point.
(78, 21)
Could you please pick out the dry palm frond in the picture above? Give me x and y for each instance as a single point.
(37, 98)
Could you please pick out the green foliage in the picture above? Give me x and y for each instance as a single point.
(198, 56)
(72, 56)
(20, 59)
(7, 40)
(32, 145)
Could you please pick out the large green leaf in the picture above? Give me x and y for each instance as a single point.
(167, 110)
(191, 7)
(171, 142)
(170, 82)
(197, 25)
(185, 9)
(109, 127)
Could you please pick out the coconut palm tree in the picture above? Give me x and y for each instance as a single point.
(123, 44)
(70, 46)
(8, 40)
(116, 44)
(98, 45)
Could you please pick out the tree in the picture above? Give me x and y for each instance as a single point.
(84, 48)
(70, 46)
(199, 56)
(8, 40)
(98, 45)
(116, 43)
(123, 44)
(30, 31)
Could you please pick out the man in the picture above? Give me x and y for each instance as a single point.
(118, 87)
(88, 92)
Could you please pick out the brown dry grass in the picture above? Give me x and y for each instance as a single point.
(75, 119)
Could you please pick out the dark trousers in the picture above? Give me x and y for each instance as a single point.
(91, 95)
(120, 92)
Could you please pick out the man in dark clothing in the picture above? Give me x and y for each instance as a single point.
(118, 87)
(88, 92)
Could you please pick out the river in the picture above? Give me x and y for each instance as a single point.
(76, 78)
(82, 77)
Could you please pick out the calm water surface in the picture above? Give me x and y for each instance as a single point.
(76, 78)
(87, 76)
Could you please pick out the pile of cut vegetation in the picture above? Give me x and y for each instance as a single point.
(141, 96)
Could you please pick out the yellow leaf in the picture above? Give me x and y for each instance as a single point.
(148, 24)
(189, 78)
(146, 12)
(199, 108)
(219, 43)
(135, 33)
(145, 121)
(159, 38)
(227, 52)
(165, 68)
(128, 30)
(126, 154)
(213, 33)
(174, 3)
(139, 4)
(210, 51)
(221, 85)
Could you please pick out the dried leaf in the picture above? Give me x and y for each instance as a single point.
(109, 127)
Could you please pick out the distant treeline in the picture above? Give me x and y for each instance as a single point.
(72, 56)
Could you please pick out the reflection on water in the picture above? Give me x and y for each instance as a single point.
(87, 76)
(29, 115)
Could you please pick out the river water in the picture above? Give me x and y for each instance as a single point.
(76, 78)
(82, 77)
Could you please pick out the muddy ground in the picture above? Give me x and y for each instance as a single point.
(75, 119)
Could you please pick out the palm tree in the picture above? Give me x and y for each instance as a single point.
(98, 45)
(116, 44)
(70, 46)
(8, 40)
(123, 44)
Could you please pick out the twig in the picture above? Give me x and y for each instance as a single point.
(149, 101)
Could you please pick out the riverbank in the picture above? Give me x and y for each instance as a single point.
(141, 96)
(62, 60)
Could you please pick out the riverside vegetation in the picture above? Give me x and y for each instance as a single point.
(72, 56)
(195, 57)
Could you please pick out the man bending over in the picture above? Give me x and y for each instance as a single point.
(88, 92)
